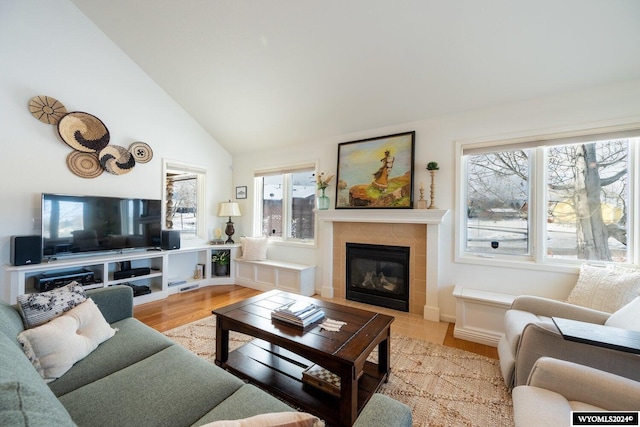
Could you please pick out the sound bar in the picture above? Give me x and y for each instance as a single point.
(134, 272)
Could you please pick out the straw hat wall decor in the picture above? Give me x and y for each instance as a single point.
(89, 137)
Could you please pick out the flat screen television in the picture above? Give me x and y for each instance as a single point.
(75, 225)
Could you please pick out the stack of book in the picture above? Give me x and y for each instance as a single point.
(298, 313)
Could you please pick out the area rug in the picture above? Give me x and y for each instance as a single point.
(443, 386)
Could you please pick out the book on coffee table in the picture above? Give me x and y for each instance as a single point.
(299, 314)
(322, 379)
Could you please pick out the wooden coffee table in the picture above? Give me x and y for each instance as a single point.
(275, 361)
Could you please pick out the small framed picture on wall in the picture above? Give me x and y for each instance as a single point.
(241, 192)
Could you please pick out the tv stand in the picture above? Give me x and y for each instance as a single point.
(170, 271)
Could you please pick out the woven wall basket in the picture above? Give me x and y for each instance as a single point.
(84, 165)
(116, 160)
(83, 132)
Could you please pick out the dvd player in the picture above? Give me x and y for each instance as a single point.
(47, 282)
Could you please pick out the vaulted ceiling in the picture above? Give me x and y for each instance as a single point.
(260, 73)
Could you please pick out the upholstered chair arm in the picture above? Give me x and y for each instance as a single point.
(553, 308)
(584, 384)
(544, 339)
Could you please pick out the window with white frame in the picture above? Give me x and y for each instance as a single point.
(184, 198)
(285, 199)
(567, 198)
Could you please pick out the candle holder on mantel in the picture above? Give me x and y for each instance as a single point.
(432, 167)
(422, 203)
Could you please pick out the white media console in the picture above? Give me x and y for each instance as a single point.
(170, 271)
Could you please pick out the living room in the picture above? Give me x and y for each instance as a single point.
(52, 48)
(134, 108)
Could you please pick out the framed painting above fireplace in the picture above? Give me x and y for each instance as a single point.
(376, 172)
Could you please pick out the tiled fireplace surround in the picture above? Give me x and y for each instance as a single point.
(417, 229)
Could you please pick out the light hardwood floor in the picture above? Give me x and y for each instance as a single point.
(180, 309)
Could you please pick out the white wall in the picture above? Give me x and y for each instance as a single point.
(435, 141)
(48, 47)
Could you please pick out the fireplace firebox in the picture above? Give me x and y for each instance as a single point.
(378, 275)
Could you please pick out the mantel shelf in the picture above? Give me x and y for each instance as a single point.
(397, 216)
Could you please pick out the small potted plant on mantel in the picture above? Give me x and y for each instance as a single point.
(432, 167)
(220, 261)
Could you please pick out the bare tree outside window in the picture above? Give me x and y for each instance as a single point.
(183, 207)
(586, 196)
(587, 193)
(497, 203)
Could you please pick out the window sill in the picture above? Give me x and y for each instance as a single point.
(519, 264)
(309, 244)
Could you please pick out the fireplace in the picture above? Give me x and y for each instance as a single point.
(378, 275)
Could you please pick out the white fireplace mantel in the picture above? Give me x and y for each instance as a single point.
(397, 216)
(433, 218)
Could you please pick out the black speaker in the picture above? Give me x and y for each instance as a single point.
(26, 250)
(170, 239)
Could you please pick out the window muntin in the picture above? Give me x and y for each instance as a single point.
(287, 200)
(557, 201)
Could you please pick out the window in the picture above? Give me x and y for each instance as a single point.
(184, 195)
(284, 201)
(563, 199)
(181, 213)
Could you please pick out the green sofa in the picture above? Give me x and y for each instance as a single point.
(140, 378)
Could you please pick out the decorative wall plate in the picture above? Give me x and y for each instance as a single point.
(141, 152)
(83, 132)
(84, 165)
(116, 159)
(47, 109)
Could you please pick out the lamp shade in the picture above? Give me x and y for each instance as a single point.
(229, 209)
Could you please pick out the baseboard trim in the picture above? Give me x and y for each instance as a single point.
(476, 336)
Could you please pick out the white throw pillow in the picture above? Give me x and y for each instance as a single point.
(39, 308)
(274, 419)
(628, 317)
(254, 248)
(605, 288)
(54, 347)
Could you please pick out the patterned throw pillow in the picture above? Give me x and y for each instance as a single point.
(605, 288)
(39, 308)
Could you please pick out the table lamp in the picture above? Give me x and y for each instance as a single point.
(229, 209)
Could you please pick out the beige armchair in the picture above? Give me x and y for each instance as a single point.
(531, 334)
(556, 387)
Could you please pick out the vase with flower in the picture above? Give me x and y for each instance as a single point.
(322, 183)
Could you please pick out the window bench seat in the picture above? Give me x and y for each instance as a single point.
(480, 315)
(271, 274)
